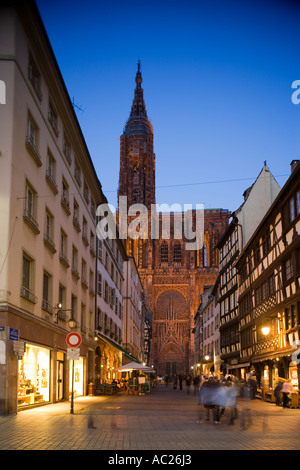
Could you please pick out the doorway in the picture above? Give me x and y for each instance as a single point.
(60, 380)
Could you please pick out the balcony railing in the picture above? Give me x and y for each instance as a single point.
(64, 260)
(53, 121)
(67, 153)
(26, 294)
(50, 243)
(51, 182)
(46, 306)
(33, 151)
(76, 223)
(75, 272)
(30, 220)
(66, 205)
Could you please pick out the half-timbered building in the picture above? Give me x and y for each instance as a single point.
(257, 200)
(269, 290)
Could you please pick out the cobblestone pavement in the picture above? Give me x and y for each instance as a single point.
(166, 419)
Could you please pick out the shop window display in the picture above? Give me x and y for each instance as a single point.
(34, 376)
(78, 377)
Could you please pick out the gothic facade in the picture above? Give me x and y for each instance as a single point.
(173, 275)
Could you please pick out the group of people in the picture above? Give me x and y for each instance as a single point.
(178, 381)
(215, 396)
(283, 389)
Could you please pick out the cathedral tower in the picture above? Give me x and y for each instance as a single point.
(137, 158)
(173, 276)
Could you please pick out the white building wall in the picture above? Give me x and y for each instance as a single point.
(263, 193)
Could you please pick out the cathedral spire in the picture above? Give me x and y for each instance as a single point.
(138, 122)
(138, 78)
(137, 157)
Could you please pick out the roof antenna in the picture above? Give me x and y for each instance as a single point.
(76, 106)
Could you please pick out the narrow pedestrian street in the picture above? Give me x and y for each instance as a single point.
(164, 420)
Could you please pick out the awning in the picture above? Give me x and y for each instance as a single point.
(117, 346)
(239, 366)
(273, 355)
(135, 366)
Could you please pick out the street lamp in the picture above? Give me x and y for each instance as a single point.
(265, 330)
(71, 321)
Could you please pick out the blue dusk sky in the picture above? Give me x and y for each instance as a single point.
(217, 81)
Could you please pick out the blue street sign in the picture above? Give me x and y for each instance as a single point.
(14, 334)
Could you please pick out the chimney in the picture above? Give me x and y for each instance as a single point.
(293, 165)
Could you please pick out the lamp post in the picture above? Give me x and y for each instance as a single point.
(72, 392)
(72, 324)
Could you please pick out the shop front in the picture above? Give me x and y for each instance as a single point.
(274, 371)
(34, 365)
(34, 376)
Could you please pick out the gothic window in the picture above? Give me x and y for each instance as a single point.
(206, 251)
(145, 254)
(177, 253)
(164, 253)
(205, 255)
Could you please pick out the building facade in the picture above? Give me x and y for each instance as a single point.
(173, 276)
(133, 325)
(257, 200)
(111, 258)
(269, 290)
(49, 194)
(207, 351)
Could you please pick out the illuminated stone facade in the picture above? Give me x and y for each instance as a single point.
(173, 276)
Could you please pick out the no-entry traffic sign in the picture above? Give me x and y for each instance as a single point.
(73, 340)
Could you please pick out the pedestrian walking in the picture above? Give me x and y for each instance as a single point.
(287, 388)
(188, 383)
(213, 397)
(245, 407)
(175, 382)
(277, 393)
(196, 383)
(252, 386)
(200, 398)
(231, 403)
(180, 381)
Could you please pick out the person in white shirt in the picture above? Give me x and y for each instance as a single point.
(287, 388)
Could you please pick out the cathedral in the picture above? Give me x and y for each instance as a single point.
(173, 275)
